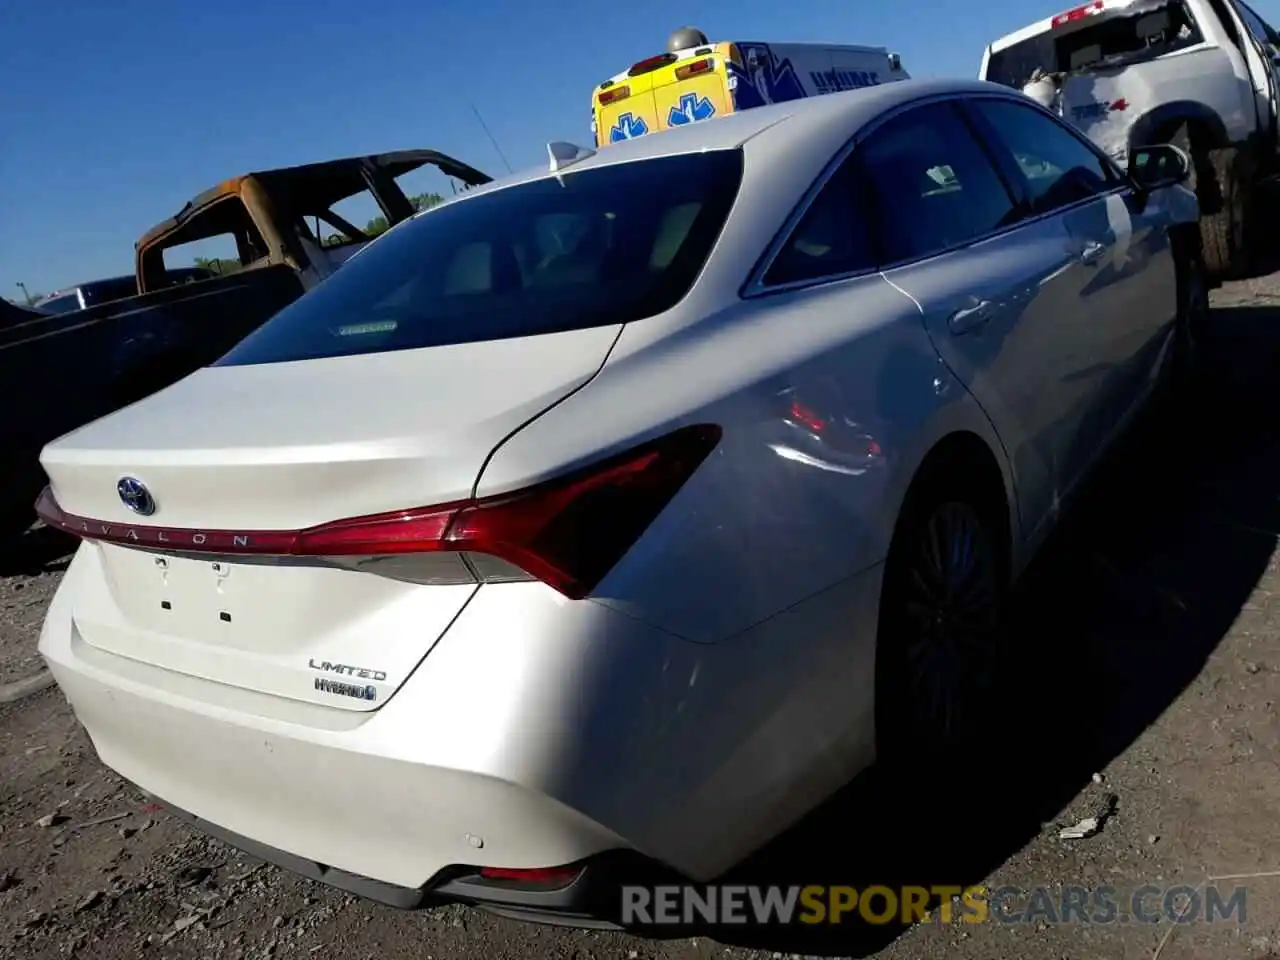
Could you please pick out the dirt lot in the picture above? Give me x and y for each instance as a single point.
(1148, 633)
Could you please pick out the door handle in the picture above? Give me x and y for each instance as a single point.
(971, 317)
(1092, 252)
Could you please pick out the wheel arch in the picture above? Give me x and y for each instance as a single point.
(964, 453)
(965, 456)
(1159, 124)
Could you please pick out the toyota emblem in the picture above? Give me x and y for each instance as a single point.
(135, 496)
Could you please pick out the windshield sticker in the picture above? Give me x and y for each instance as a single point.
(359, 329)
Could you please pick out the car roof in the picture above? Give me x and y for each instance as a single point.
(792, 119)
(125, 278)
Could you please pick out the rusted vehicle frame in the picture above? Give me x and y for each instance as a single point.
(112, 354)
(273, 198)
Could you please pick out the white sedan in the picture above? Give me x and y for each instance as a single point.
(619, 512)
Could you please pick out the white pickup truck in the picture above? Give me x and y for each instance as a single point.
(1202, 74)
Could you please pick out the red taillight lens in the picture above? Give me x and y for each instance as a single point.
(1079, 13)
(568, 532)
(693, 69)
(805, 416)
(542, 878)
(614, 94)
(651, 63)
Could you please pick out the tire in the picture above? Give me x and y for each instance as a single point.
(934, 678)
(1220, 182)
(1187, 362)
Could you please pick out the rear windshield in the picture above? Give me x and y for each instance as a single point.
(594, 247)
(1136, 32)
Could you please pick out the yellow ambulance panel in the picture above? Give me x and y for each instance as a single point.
(711, 80)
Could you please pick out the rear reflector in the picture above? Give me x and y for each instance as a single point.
(1079, 13)
(651, 63)
(617, 93)
(568, 532)
(540, 878)
(693, 69)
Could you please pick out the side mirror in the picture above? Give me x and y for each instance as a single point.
(1160, 165)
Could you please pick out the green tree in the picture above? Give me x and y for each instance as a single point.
(218, 265)
(422, 201)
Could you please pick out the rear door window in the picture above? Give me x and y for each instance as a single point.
(936, 186)
(597, 246)
(832, 238)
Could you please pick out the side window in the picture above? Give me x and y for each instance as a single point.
(936, 186)
(831, 238)
(1256, 26)
(222, 238)
(1058, 168)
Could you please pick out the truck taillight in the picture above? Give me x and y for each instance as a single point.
(693, 69)
(1078, 13)
(614, 94)
(567, 532)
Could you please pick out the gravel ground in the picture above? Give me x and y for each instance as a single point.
(27, 581)
(1147, 671)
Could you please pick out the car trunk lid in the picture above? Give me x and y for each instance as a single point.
(235, 453)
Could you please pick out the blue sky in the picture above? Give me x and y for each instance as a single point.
(116, 113)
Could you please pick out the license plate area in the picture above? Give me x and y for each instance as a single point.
(199, 599)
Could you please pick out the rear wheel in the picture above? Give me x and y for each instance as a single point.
(1220, 180)
(941, 620)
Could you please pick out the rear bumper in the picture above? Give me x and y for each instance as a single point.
(590, 900)
(536, 733)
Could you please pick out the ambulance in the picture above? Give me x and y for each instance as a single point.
(697, 80)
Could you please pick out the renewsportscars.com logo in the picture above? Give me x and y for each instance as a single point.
(768, 906)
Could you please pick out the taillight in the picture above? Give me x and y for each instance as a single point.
(806, 417)
(650, 64)
(568, 532)
(693, 69)
(1078, 13)
(540, 878)
(617, 93)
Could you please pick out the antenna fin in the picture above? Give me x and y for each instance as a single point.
(564, 154)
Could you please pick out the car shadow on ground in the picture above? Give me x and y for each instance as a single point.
(1143, 578)
(38, 550)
